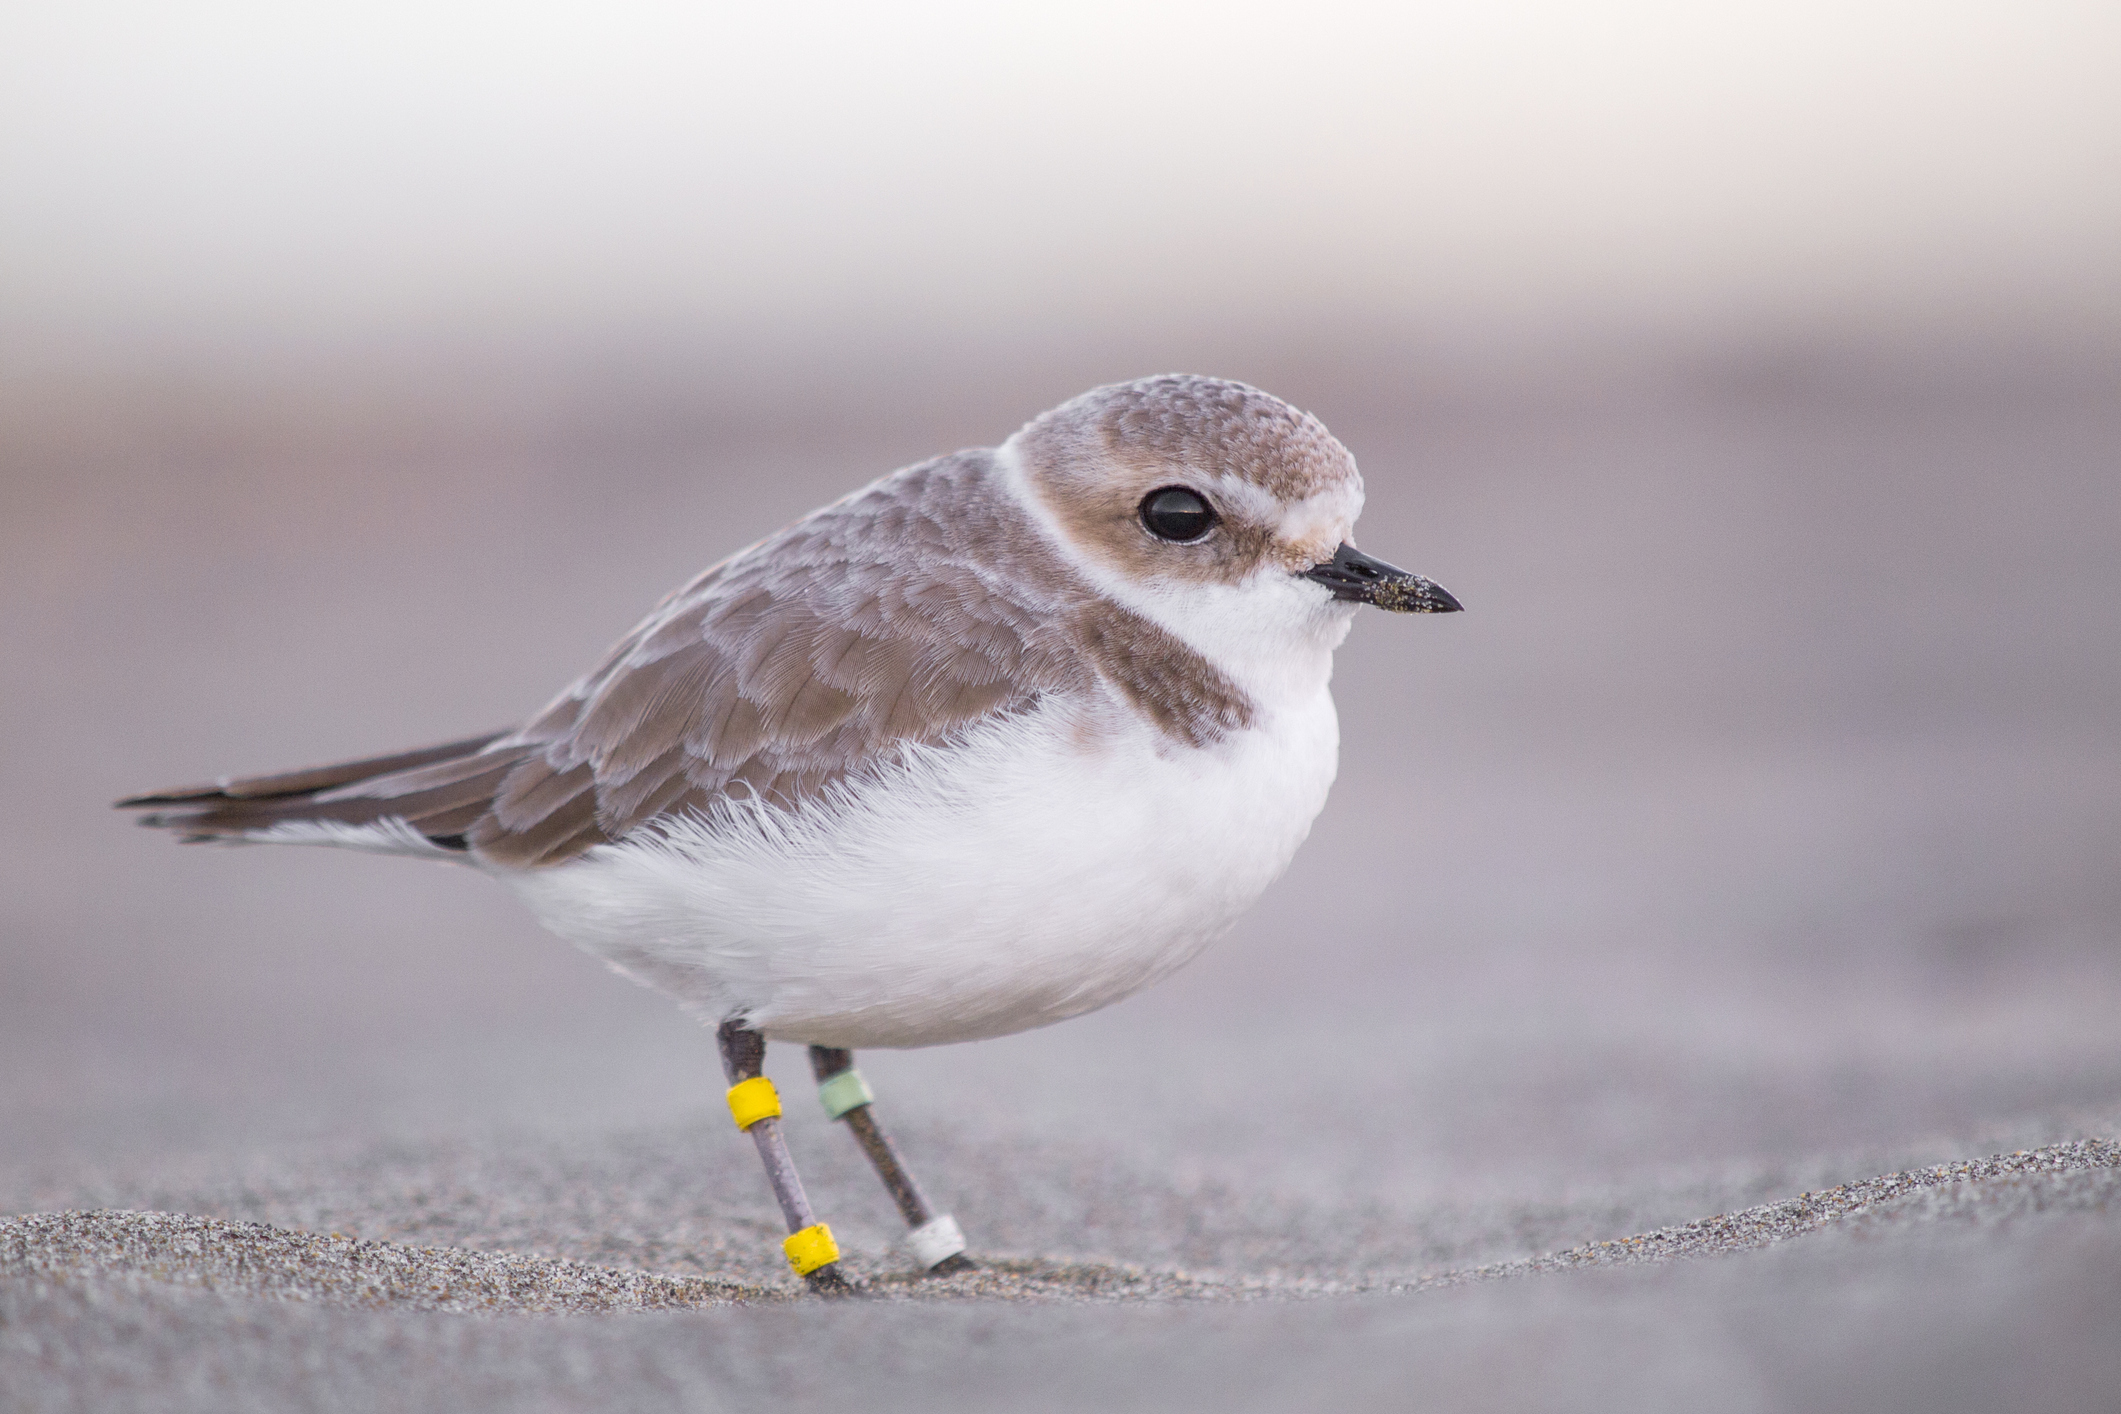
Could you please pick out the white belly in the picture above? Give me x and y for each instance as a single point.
(1037, 872)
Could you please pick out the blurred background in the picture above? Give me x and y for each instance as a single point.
(1750, 371)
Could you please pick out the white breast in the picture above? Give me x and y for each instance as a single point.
(1045, 867)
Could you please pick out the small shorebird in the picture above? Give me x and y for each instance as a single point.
(994, 741)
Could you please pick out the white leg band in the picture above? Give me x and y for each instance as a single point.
(936, 1240)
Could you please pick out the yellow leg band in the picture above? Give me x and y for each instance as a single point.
(810, 1249)
(753, 1100)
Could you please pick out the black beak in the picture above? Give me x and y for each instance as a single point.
(1351, 574)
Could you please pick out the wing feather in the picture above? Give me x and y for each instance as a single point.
(906, 614)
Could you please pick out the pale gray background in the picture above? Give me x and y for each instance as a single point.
(1752, 378)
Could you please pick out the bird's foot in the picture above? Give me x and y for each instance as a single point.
(831, 1281)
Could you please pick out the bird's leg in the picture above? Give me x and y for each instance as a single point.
(757, 1110)
(935, 1241)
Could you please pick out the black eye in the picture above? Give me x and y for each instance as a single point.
(1174, 513)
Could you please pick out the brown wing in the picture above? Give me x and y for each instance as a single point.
(905, 614)
(902, 615)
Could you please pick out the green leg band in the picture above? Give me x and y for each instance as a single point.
(843, 1092)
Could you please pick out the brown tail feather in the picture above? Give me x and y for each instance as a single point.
(433, 790)
(314, 778)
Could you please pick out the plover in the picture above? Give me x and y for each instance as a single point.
(996, 740)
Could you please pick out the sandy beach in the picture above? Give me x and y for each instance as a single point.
(1922, 1289)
